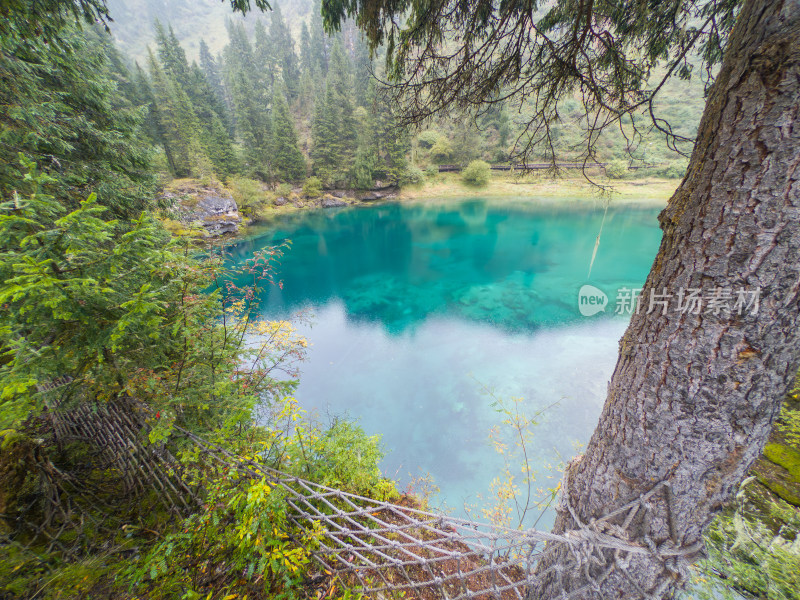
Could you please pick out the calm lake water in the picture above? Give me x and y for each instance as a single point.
(424, 313)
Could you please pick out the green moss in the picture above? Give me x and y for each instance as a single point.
(786, 457)
(179, 229)
(789, 423)
(779, 490)
(9, 437)
(750, 547)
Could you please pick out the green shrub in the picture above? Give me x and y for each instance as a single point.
(249, 195)
(431, 172)
(283, 190)
(346, 457)
(676, 170)
(617, 169)
(412, 175)
(428, 138)
(245, 531)
(477, 173)
(312, 187)
(441, 151)
(245, 537)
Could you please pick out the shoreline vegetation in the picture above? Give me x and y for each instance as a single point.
(259, 206)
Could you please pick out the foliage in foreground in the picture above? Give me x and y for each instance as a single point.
(71, 106)
(243, 541)
(120, 308)
(126, 312)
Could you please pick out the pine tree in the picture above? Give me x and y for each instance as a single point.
(216, 143)
(306, 56)
(166, 125)
(145, 98)
(319, 46)
(382, 144)
(285, 55)
(392, 141)
(366, 159)
(310, 73)
(340, 82)
(327, 142)
(251, 107)
(265, 57)
(340, 70)
(287, 160)
(179, 126)
(193, 115)
(212, 74)
(334, 128)
(495, 126)
(362, 70)
(172, 56)
(239, 55)
(252, 126)
(118, 68)
(63, 107)
(212, 117)
(308, 92)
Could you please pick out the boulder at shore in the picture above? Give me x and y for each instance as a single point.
(332, 202)
(209, 206)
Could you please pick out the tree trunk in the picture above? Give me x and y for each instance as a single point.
(693, 396)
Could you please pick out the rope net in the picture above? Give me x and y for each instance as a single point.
(379, 548)
(386, 549)
(113, 428)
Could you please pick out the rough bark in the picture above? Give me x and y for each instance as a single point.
(693, 396)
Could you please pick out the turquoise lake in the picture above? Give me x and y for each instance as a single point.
(422, 313)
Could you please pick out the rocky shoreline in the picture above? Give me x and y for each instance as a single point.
(211, 208)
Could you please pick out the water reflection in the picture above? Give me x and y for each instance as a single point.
(424, 391)
(517, 268)
(420, 308)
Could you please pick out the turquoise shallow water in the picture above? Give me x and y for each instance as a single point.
(421, 310)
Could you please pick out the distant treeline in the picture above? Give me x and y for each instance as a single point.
(279, 107)
(263, 110)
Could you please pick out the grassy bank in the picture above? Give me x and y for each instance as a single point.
(573, 186)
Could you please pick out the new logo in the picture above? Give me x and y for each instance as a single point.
(591, 300)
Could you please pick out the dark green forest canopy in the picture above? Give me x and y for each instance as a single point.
(72, 107)
(616, 55)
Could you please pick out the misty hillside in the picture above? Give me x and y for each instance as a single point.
(192, 20)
